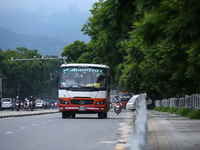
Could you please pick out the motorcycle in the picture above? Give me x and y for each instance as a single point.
(31, 105)
(17, 106)
(21, 105)
(52, 106)
(45, 105)
(118, 108)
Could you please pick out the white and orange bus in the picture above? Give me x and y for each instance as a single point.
(84, 89)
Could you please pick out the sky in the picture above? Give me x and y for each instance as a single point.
(62, 19)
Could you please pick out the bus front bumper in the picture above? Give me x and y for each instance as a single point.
(82, 108)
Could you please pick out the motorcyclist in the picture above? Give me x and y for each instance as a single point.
(31, 99)
(45, 104)
(17, 103)
(17, 99)
(117, 100)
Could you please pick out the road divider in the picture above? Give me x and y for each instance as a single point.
(27, 113)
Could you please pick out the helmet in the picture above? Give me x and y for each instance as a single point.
(17, 97)
(31, 96)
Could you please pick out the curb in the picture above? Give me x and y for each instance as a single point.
(28, 114)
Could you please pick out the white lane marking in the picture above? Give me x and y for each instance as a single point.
(9, 132)
(109, 142)
(42, 122)
(34, 124)
(23, 127)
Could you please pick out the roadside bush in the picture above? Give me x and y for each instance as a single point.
(193, 114)
(156, 108)
(164, 109)
(172, 110)
(182, 111)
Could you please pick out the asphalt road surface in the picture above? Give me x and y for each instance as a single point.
(51, 132)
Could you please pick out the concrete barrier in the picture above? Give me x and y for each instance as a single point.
(139, 140)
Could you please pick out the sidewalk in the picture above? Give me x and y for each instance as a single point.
(5, 114)
(172, 132)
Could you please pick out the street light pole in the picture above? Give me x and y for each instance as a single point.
(64, 58)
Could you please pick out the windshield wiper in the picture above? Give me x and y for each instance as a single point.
(74, 84)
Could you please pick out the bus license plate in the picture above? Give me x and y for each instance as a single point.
(81, 108)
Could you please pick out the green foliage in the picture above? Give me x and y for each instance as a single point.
(151, 46)
(37, 78)
(74, 51)
(172, 110)
(157, 108)
(193, 114)
(182, 111)
(164, 109)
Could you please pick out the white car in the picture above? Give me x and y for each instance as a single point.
(6, 103)
(131, 103)
(39, 103)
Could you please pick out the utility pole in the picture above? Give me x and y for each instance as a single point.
(18, 89)
(1, 89)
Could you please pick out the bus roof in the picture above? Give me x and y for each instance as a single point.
(85, 65)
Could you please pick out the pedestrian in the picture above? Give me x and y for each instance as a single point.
(25, 104)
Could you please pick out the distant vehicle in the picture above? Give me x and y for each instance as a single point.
(124, 96)
(6, 103)
(39, 103)
(131, 105)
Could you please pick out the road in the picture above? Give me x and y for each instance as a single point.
(50, 131)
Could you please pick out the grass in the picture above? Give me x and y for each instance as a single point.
(182, 112)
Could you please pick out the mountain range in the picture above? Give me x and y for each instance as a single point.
(44, 44)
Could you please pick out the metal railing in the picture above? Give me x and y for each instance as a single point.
(191, 102)
(139, 139)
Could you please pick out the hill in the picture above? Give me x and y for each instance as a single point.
(44, 44)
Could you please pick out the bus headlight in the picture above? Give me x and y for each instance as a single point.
(64, 102)
(100, 102)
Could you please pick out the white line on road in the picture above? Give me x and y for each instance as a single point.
(34, 124)
(9, 132)
(23, 127)
(109, 142)
(42, 122)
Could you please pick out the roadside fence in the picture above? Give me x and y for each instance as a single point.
(139, 139)
(191, 102)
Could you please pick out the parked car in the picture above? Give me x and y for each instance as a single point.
(7, 103)
(39, 103)
(131, 105)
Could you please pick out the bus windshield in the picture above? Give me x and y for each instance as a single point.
(82, 77)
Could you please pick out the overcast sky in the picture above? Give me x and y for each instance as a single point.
(55, 18)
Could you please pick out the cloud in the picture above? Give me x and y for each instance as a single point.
(48, 5)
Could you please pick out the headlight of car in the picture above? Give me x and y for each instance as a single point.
(64, 102)
(100, 102)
